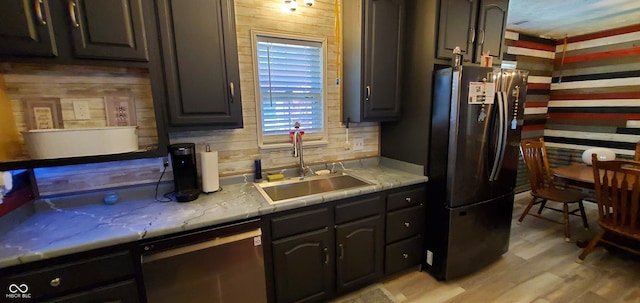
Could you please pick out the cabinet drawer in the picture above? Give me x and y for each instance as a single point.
(403, 254)
(300, 222)
(405, 223)
(358, 209)
(123, 292)
(406, 198)
(77, 275)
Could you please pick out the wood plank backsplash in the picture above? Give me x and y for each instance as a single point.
(237, 147)
(91, 84)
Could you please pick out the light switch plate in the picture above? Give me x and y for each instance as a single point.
(81, 110)
(429, 257)
(357, 144)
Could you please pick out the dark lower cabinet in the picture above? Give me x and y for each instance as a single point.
(405, 227)
(319, 252)
(124, 292)
(359, 252)
(304, 267)
(102, 275)
(403, 254)
(200, 57)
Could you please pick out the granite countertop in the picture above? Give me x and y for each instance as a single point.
(59, 228)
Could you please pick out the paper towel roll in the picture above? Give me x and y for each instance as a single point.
(209, 169)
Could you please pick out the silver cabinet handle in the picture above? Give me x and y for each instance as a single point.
(55, 282)
(407, 224)
(341, 251)
(368, 93)
(72, 14)
(326, 255)
(408, 199)
(406, 256)
(232, 90)
(37, 4)
(481, 32)
(473, 35)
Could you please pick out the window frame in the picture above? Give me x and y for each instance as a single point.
(280, 141)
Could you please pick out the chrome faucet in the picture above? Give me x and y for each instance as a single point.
(297, 148)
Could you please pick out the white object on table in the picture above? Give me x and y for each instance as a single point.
(604, 154)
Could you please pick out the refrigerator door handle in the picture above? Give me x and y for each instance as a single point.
(499, 152)
(505, 101)
(505, 106)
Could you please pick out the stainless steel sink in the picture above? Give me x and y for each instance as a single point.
(281, 191)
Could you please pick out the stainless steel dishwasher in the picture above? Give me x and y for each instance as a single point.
(216, 265)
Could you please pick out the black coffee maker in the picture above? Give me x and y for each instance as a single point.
(185, 174)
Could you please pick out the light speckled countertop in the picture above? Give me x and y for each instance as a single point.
(58, 229)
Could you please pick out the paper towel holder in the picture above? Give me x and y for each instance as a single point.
(209, 171)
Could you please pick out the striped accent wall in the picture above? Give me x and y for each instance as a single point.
(595, 95)
(537, 56)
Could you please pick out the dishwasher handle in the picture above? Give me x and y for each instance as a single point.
(202, 245)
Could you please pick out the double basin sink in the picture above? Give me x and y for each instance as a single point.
(282, 191)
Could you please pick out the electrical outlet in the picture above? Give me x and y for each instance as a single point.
(81, 110)
(357, 144)
(429, 257)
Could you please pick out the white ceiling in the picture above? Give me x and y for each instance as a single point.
(556, 18)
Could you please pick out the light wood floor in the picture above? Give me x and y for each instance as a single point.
(540, 267)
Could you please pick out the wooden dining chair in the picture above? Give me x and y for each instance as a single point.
(543, 188)
(617, 186)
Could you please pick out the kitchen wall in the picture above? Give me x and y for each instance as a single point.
(535, 55)
(595, 95)
(63, 85)
(238, 147)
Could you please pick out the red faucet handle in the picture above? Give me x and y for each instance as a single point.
(292, 133)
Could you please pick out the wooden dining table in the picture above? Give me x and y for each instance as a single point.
(580, 175)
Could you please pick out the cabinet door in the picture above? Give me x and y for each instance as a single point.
(491, 24)
(26, 28)
(384, 25)
(123, 292)
(201, 62)
(107, 29)
(359, 252)
(457, 27)
(304, 267)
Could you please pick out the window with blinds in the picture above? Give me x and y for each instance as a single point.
(289, 87)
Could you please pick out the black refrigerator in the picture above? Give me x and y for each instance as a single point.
(476, 119)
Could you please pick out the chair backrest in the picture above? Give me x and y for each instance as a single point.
(534, 155)
(636, 156)
(617, 186)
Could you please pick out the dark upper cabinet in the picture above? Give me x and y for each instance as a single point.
(199, 50)
(476, 26)
(26, 28)
(84, 29)
(492, 21)
(304, 267)
(457, 27)
(372, 48)
(107, 29)
(359, 252)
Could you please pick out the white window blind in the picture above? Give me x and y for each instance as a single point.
(291, 82)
